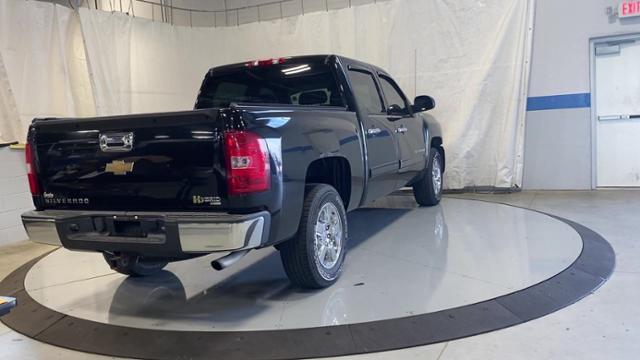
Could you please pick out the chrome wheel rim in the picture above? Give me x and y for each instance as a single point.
(328, 236)
(436, 174)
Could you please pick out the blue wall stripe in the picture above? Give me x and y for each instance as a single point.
(569, 101)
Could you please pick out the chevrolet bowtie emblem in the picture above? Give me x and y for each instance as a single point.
(119, 167)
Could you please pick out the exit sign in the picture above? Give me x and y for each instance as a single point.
(629, 9)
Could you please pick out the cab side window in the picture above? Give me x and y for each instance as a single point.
(396, 101)
(366, 92)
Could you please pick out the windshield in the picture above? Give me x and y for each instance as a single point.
(294, 82)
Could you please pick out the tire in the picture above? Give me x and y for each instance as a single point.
(302, 255)
(428, 190)
(133, 265)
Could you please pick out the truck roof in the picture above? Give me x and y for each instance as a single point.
(244, 63)
(316, 57)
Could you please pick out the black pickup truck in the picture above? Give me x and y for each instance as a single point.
(274, 153)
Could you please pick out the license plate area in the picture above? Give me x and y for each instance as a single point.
(127, 229)
(120, 229)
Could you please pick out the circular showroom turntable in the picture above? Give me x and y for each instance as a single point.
(414, 276)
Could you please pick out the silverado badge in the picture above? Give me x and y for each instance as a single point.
(119, 167)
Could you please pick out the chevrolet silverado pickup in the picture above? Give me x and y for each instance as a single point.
(274, 153)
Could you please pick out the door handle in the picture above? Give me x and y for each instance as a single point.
(401, 130)
(619, 117)
(374, 131)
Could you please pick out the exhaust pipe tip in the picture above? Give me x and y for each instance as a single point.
(228, 260)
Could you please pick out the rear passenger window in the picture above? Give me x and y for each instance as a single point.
(366, 92)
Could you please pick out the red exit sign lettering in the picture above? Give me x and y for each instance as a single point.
(629, 9)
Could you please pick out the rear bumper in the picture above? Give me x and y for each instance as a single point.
(148, 233)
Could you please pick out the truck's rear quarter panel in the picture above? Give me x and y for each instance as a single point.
(303, 135)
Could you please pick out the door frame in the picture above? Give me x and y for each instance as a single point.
(593, 42)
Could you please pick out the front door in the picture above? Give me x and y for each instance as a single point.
(382, 150)
(408, 128)
(617, 86)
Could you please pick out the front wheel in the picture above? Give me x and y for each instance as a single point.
(133, 265)
(428, 190)
(314, 257)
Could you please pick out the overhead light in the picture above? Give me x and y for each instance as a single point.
(197, 134)
(296, 69)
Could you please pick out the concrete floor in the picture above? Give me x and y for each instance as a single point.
(605, 325)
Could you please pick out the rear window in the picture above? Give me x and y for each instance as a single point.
(294, 82)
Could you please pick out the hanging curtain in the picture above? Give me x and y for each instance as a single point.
(469, 55)
(10, 129)
(44, 64)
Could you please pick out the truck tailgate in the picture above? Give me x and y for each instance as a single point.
(135, 162)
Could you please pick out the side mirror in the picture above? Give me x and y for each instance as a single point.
(395, 109)
(423, 103)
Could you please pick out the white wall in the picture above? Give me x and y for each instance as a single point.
(14, 195)
(558, 141)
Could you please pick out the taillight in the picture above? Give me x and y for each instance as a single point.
(32, 175)
(247, 160)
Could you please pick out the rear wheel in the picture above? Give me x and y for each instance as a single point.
(133, 265)
(314, 257)
(428, 190)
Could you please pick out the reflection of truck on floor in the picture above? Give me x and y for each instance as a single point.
(275, 152)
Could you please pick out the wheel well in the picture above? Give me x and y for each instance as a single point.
(436, 142)
(334, 171)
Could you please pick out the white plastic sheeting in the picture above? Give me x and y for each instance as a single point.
(43, 53)
(139, 66)
(472, 56)
(469, 54)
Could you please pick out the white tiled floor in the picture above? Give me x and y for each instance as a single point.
(605, 325)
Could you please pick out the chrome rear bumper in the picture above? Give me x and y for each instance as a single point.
(160, 234)
(41, 229)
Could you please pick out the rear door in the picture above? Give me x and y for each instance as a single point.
(408, 128)
(382, 147)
